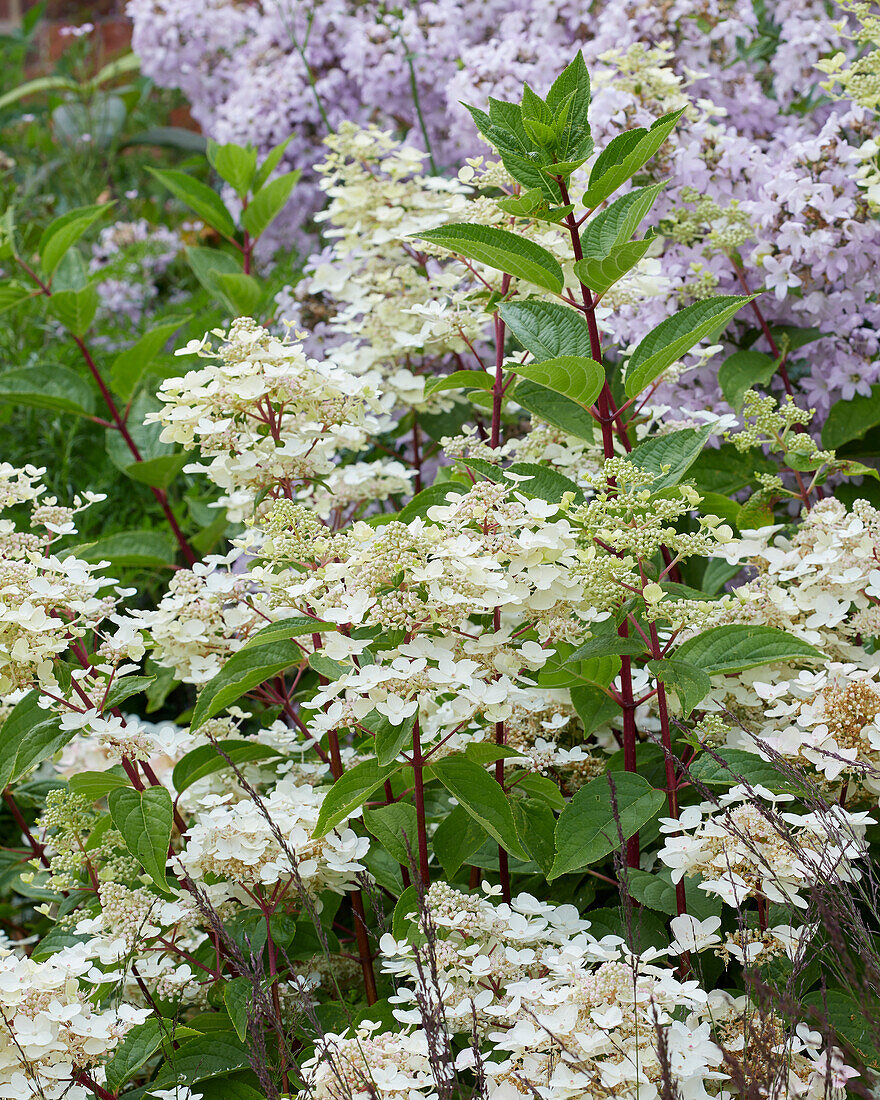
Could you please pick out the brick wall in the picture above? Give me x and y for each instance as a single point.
(112, 29)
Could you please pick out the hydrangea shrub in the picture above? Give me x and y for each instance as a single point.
(523, 739)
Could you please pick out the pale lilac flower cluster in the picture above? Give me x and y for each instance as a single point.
(807, 233)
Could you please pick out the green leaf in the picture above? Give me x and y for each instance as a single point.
(159, 472)
(676, 336)
(569, 100)
(62, 233)
(268, 203)
(12, 293)
(715, 504)
(678, 451)
(458, 836)
(734, 766)
(149, 549)
(536, 824)
(561, 412)
(245, 670)
(656, 891)
(487, 752)
(75, 309)
(725, 469)
(482, 797)
(852, 1019)
(739, 646)
(350, 792)
(606, 811)
(579, 379)
(42, 387)
(123, 688)
(390, 738)
(96, 785)
(236, 164)
(500, 249)
(460, 380)
(128, 367)
(138, 1045)
(210, 263)
(548, 330)
(543, 482)
(614, 226)
(689, 682)
(145, 819)
(207, 759)
(285, 629)
(210, 1055)
(28, 736)
(427, 498)
(273, 159)
(600, 274)
(523, 204)
(168, 137)
(743, 370)
(395, 826)
(198, 197)
(625, 155)
(593, 706)
(244, 292)
(849, 419)
(238, 996)
(606, 644)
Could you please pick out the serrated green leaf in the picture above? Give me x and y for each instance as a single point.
(574, 377)
(614, 226)
(145, 818)
(678, 451)
(268, 203)
(482, 797)
(689, 682)
(624, 156)
(501, 250)
(593, 706)
(62, 233)
(676, 336)
(602, 815)
(43, 387)
(245, 670)
(238, 996)
(75, 309)
(350, 792)
(273, 159)
(600, 274)
(129, 365)
(96, 785)
(458, 836)
(236, 164)
(285, 629)
(731, 767)
(395, 826)
(123, 688)
(547, 329)
(847, 420)
(607, 644)
(244, 292)
(149, 549)
(738, 646)
(536, 825)
(460, 380)
(159, 472)
(29, 736)
(390, 739)
(656, 891)
(198, 197)
(556, 409)
(138, 1045)
(743, 370)
(208, 759)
